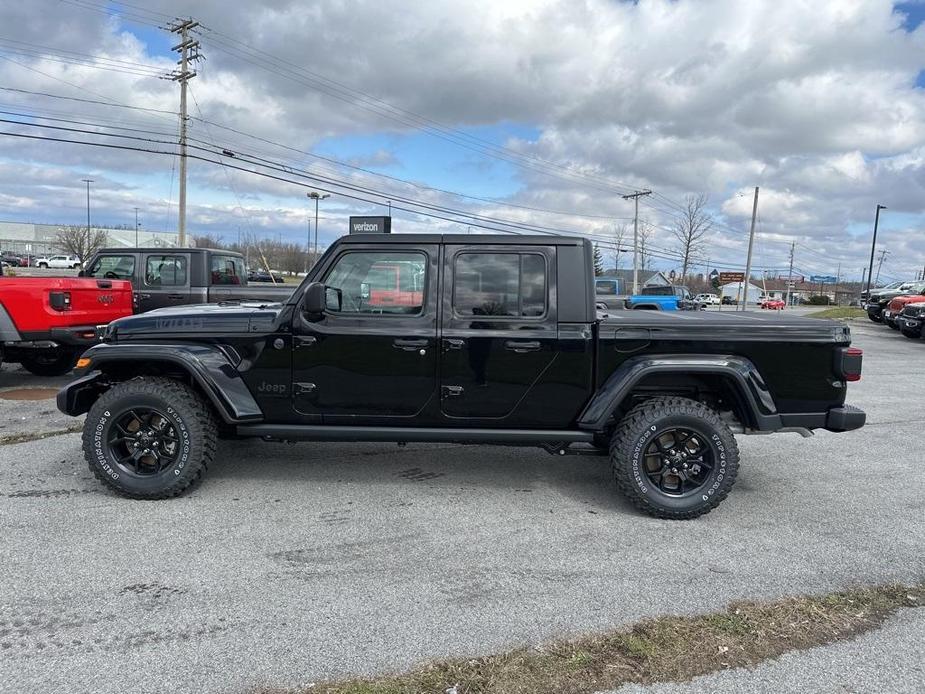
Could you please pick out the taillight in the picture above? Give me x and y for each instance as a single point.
(60, 301)
(851, 360)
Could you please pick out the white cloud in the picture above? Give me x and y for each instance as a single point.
(814, 102)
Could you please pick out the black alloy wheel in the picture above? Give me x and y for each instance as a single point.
(678, 461)
(142, 441)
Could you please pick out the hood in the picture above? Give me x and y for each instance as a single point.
(903, 299)
(204, 319)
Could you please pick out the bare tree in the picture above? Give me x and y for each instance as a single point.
(619, 236)
(691, 228)
(75, 240)
(646, 230)
(208, 241)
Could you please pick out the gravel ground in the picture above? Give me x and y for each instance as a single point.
(295, 563)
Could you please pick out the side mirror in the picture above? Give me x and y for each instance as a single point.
(320, 299)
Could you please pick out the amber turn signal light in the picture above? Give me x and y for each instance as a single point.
(83, 362)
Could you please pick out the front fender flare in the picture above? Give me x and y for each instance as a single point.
(740, 371)
(207, 365)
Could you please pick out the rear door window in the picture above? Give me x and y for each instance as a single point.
(113, 267)
(506, 285)
(165, 271)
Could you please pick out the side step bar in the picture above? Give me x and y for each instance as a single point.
(311, 432)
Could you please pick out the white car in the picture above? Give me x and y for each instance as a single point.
(708, 299)
(58, 261)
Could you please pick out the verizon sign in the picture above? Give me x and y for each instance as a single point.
(370, 225)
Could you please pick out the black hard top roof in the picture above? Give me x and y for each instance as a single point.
(466, 239)
(167, 250)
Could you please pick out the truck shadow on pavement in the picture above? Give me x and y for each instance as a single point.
(427, 471)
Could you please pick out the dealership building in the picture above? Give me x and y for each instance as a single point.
(40, 239)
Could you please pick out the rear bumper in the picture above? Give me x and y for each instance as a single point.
(844, 418)
(71, 336)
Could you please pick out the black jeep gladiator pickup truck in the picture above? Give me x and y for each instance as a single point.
(468, 339)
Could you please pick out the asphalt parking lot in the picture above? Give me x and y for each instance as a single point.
(297, 563)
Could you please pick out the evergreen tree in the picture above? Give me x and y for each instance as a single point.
(598, 262)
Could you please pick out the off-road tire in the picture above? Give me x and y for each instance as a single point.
(43, 265)
(191, 416)
(874, 317)
(641, 426)
(892, 323)
(49, 363)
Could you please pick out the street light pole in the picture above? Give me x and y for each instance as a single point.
(136, 227)
(316, 197)
(873, 246)
(88, 181)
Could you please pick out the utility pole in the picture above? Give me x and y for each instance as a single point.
(837, 277)
(638, 194)
(873, 246)
(136, 227)
(883, 254)
(751, 243)
(793, 245)
(88, 181)
(189, 51)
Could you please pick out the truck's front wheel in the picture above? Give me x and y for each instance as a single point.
(149, 438)
(674, 457)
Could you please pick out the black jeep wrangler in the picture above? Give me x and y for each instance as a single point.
(468, 339)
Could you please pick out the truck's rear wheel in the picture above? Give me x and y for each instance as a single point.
(50, 362)
(149, 438)
(674, 457)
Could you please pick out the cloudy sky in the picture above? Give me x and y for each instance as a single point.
(541, 113)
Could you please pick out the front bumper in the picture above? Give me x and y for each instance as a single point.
(875, 311)
(910, 325)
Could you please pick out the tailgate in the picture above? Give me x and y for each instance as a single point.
(38, 304)
(96, 301)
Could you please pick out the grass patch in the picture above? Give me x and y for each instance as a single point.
(7, 439)
(665, 649)
(839, 312)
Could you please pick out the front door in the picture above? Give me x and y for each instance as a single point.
(165, 281)
(375, 359)
(499, 329)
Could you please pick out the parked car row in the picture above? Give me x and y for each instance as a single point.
(901, 306)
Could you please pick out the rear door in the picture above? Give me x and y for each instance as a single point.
(165, 280)
(499, 328)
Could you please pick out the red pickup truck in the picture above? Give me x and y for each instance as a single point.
(47, 323)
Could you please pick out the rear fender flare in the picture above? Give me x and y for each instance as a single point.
(741, 372)
(207, 365)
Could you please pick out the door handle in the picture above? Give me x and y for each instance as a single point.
(409, 345)
(305, 341)
(522, 347)
(174, 296)
(453, 343)
(142, 295)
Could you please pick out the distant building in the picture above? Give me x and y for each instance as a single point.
(39, 239)
(647, 278)
(736, 290)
